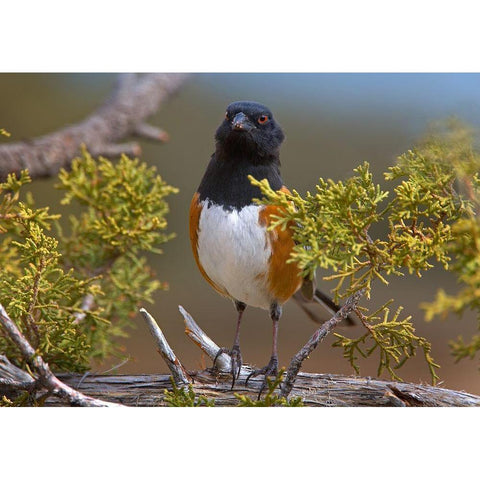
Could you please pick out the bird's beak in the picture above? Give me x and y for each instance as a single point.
(241, 123)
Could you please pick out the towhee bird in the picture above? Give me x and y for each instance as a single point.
(234, 250)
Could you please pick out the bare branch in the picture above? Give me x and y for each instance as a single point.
(180, 376)
(134, 99)
(296, 362)
(87, 304)
(150, 132)
(201, 339)
(316, 390)
(113, 150)
(13, 378)
(46, 378)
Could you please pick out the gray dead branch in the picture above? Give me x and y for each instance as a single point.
(123, 115)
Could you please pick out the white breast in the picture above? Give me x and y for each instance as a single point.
(234, 252)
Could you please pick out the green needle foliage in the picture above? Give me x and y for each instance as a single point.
(394, 339)
(270, 399)
(123, 213)
(428, 218)
(34, 288)
(459, 146)
(185, 397)
(73, 293)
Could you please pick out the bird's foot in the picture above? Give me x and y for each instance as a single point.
(271, 370)
(236, 357)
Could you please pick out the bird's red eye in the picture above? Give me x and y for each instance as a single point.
(262, 119)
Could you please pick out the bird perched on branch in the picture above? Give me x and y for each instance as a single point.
(234, 250)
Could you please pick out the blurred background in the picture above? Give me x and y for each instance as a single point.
(333, 122)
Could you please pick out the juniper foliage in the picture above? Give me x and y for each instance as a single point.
(270, 399)
(47, 273)
(429, 217)
(185, 397)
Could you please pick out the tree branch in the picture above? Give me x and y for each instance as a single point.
(296, 362)
(45, 378)
(134, 99)
(148, 390)
(180, 376)
(13, 378)
(316, 390)
(223, 362)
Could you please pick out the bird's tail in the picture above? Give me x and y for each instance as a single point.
(308, 295)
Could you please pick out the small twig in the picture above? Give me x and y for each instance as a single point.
(113, 150)
(87, 304)
(151, 132)
(45, 376)
(30, 321)
(223, 363)
(118, 365)
(296, 362)
(14, 378)
(180, 376)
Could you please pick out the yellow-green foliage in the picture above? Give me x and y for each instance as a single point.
(123, 213)
(270, 399)
(34, 288)
(185, 397)
(457, 146)
(394, 339)
(45, 279)
(427, 218)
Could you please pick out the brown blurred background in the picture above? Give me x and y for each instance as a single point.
(333, 122)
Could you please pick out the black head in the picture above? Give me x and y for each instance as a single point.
(249, 131)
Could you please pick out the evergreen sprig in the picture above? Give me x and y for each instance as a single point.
(458, 146)
(394, 339)
(34, 288)
(428, 218)
(45, 280)
(185, 397)
(123, 212)
(270, 399)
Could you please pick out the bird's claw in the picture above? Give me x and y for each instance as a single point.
(236, 357)
(271, 370)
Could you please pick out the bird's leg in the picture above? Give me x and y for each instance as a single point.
(235, 353)
(272, 368)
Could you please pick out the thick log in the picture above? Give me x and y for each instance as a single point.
(316, 389)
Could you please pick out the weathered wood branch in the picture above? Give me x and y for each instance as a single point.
(315, 339)
(316, 389)
(223, 362)
(180, 376)
(13, 378)
(46, 378)
(134, 99)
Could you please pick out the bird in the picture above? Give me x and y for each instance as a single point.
(234, 249)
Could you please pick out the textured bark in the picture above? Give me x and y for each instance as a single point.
(134, 99)
(148, 390)
(11, 376)
(315, 339)
(316, 389)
